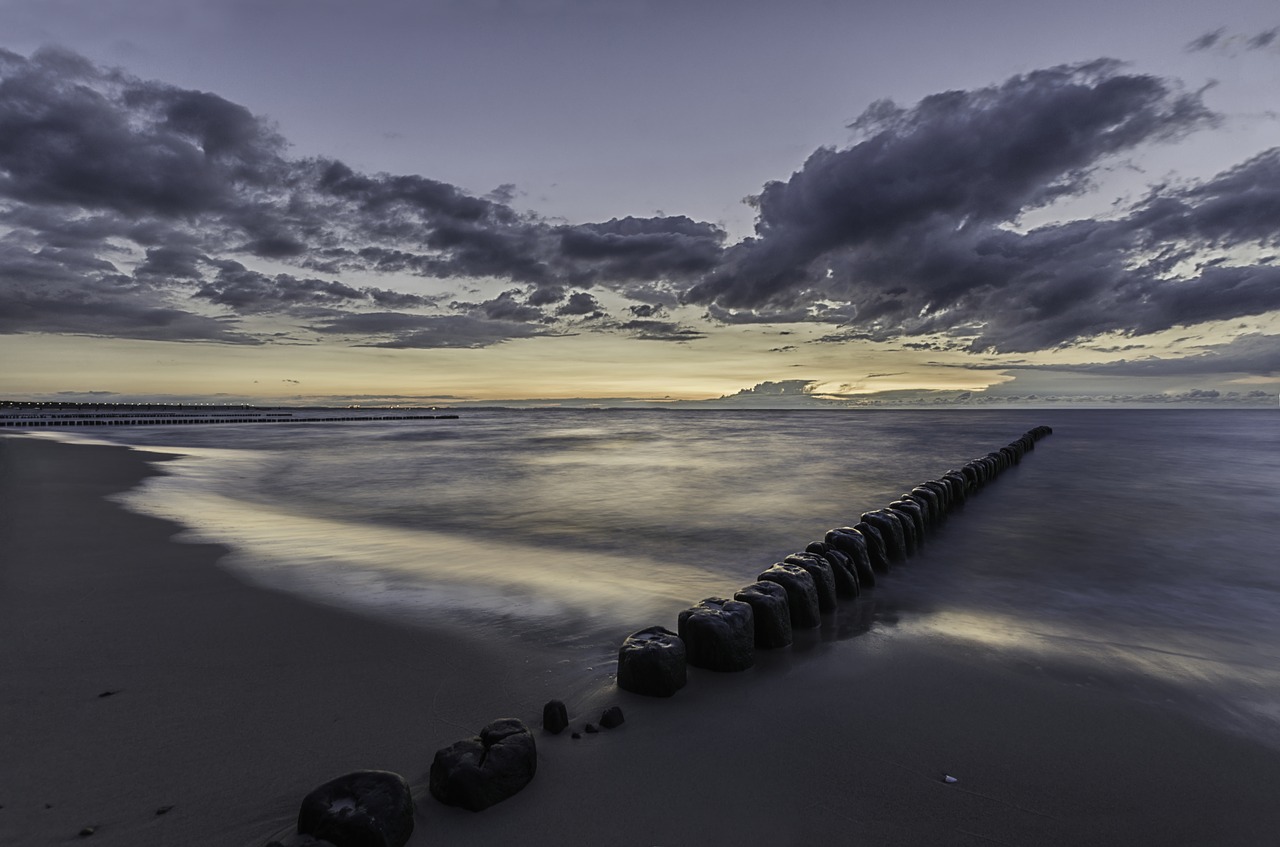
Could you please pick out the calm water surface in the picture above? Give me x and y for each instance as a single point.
(1135, 548)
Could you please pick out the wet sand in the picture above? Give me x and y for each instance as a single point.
(229, 702)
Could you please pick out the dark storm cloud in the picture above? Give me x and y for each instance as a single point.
(114, 189)
(649, 330)
(400, 331)
(913, 230)
(580, 304)
(955, 163)
(170, 185)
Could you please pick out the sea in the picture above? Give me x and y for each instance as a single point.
(1133, 548)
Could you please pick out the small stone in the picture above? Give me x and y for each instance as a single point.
(555, 717)
(108, 694)
(591, 728)
(575, 736)
(164, 810)
(949, 779)
(612, 717)
(87, 831)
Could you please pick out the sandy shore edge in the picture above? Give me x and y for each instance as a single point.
(229, 702)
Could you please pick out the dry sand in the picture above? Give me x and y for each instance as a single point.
(231, 702)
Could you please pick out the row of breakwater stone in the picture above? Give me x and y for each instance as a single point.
(375, 808)
(200, 419)
(722, 635)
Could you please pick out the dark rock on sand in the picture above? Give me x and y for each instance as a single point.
(590, 729)
(802, 596)
(555, 717)
(477, 772)
(652, 662)
(719, 634)
(612, 717)
(771, 611)
(360, 809)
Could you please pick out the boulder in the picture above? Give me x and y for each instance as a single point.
(652, 662)
(771, 611)
(478, 772)
(824, 580)
(802, 596)
(555, 717)
(719, 635)
(360, 809)
(842, 568)
(856, 547)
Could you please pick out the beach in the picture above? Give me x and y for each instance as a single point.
(139, 674)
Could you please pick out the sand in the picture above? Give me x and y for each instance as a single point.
(229, 702)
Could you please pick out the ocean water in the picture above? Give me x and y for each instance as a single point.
(1135, 549)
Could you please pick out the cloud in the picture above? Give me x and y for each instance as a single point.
(400, 331)
(1221, 41)
(913, 231)
(1255, 354)
(173, 192)
(140, 209)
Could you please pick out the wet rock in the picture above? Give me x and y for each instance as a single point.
(824, 580)
(942, 491)
(612, 717)
(877, 553)
(555, 717)
(959, 487)
(929, 505)
(652, 662)
(856, 547)
(164, 810)
(842, 568)
(771, 612)
(890, 529)
(719, 634)
(359, 809)
(477, 772)
(915, 519)
(590, 729)
(802, 596)
(87, 831)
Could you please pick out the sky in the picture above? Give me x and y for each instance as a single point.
(560, 201)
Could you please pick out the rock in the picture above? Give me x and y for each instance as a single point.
(719, 635)
(842, 568)
(929, 504)
(802, 596)
(477, 772)
(612, 717)
(942, 491)
(652, 662)
(590, 729)
(771, 611)
(824, 580)
(854, 545)
(914, 520)
(87, 831)
(555, 717)
(895, 542)
(575, 736)
(877, 553)
(164, 810)
(360, 809)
